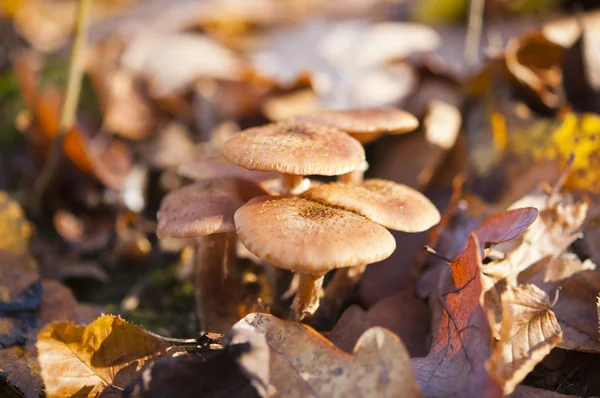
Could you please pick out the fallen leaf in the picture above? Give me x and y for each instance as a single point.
(19, 363)
(528, 332)
(576, 312)
(455, 364)
(523, 391)
(22, 370)
(505, 226)
(18, 270)
(534, 63)
(325, 52)
(101, 358)
(239, 370)
(554, 230)
(303, 363)
(401, 313)
(184, 58)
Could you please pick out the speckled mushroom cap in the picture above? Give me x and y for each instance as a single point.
(304, 236)
(392, 205)
(216, 167)
(295, 148)
(203, 208)
(365, 124)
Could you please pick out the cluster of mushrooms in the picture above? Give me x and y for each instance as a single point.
(292, 223)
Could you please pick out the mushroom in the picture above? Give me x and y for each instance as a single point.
(311, 239)
(390, 204)
(365, 125)
(217, 167)
(295, 150)
(204, 211)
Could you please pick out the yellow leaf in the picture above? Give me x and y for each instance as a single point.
(17, 268)
(103, 357)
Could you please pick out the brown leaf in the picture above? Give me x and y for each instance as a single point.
(103, 357)
(401, 313)
(239, 370)
(576, 312)
(305, 364)
(23, 369)
(534, 63)
(532, 392)
(506, 226)
(529, 331)
(455, 364)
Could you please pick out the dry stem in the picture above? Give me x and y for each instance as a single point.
(69, 108)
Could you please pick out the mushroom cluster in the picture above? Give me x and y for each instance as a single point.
(291, 225)
(329, 226)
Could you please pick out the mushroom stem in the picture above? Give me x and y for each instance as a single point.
(356, 176)
(291, 184)
(306, 301)
(353, 177)
(216, 293)
(339, 288)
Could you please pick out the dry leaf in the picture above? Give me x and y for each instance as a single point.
(555, 229)
(239, 370)
(305, 364)
(22, 370)
(505, 226)
(401, 313)
(529, 331)
(455, 365)
(103, 357)
(19, 363)
(18, 271)
(172, 62)
(531, 392)
(534, 62)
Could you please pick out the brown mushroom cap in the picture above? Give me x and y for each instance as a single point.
(216, 167)
(304, 236)
(298, 148)
(203, 208)
(392, 205)
(365, 121)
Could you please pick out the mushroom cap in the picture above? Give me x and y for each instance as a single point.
(305, 236)
(203, 208)
(295, 148)
(365, 121)
(216, 167)
(390, 204)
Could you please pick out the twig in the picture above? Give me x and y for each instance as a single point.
(434, 253)
(473, 39)
(553, 197)
(69, 108)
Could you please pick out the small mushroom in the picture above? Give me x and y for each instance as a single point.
(204, 211)
(365, 125)
(295, 150)
(311, 239)
(390, 204)
(217, 167)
